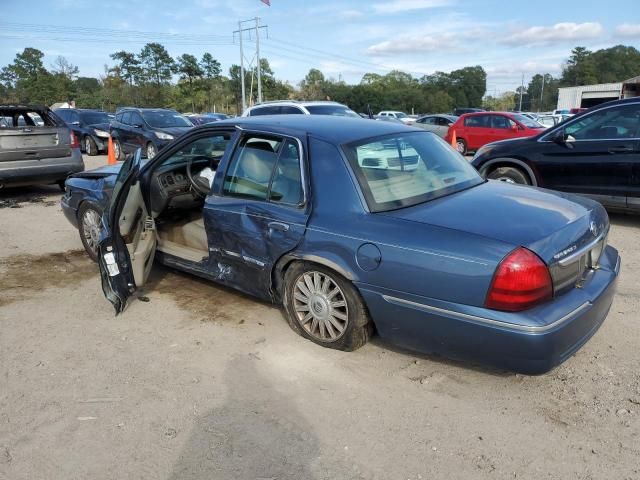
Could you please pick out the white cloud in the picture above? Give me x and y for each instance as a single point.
(628, 30)
(515, 69)
(395, 6)
(420, 43)
(560, 32)
(350, 14)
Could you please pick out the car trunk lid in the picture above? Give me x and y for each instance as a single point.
(21, 140)
(567, 232)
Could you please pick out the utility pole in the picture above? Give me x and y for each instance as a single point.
(258, 60)
(541, 93)
(240, 31)
(521, 92)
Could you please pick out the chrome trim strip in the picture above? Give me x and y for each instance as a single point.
(487, 321)
(616, 269)
(578, 253)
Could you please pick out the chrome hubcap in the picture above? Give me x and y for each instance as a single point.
(87, 145)
(91, 229)
(460, 146)
(116, 149)
(320, 306)
(151, 151)
(506, 179)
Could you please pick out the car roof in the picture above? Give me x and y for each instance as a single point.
(302, 103)
(336, 130)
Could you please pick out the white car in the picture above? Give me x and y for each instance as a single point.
(293, 107)
(403, 117)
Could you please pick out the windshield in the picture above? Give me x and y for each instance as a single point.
(335, 110)
(92, 118)
(166, 119)
(402, 170)
(526, 121)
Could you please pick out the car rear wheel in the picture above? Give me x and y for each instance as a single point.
(90, 146)
(325, 308)
(510, 175)
(461, 146)
(152, 151)
(90, 226)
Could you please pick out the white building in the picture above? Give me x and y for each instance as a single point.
(586, 96)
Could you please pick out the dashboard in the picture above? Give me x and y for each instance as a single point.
(170, 187)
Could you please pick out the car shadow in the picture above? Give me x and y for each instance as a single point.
(16, 197)
(257, 433)
(438, 359)
(624, 219)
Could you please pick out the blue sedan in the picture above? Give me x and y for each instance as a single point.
(358, 227)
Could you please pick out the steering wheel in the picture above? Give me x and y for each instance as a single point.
(198, 184)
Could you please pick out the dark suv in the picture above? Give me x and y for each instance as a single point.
(90, 126)
(595, 153)
(146, 128)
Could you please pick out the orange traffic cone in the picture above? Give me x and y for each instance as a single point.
(111, 155)
(454, 141)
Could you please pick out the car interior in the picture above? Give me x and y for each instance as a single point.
(262, 168)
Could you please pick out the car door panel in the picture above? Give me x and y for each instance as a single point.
(127, 248)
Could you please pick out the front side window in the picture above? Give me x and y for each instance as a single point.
(135, 119)
(265, 168)
(401, 170)
(288, 110)
(619, 122)
(126, 118)
(502, 122)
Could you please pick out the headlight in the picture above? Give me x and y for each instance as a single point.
(164, 136)
(101, 133)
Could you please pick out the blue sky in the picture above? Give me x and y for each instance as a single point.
(344, 39)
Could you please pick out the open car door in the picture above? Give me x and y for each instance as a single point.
(128, 242)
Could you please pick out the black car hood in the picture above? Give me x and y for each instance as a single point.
(99, 126)
(175, 131)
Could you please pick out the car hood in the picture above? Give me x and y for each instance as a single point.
(542, 220)
(175, 131)
(104, 171)
(100, 126)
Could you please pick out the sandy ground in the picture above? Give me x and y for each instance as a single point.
(202, 382)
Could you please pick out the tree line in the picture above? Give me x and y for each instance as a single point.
(152, 77)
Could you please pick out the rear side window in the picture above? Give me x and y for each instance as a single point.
(264, 111)
(478, 121)
(265, 168)
(27, 117)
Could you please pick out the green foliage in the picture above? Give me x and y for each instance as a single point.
(607, 65)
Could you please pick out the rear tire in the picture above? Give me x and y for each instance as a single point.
(325, 308)
(90, 146)
(89, 226)
(117, 150)
(510, 175)
(461, 146)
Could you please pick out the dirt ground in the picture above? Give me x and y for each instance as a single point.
(202, 382)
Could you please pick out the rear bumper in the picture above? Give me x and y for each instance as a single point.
(530, 342)
(45, 170)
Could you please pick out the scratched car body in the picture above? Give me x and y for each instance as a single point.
(431, 257)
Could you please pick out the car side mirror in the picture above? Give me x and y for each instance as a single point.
(561, 138)
(137, 125)
(514, 128)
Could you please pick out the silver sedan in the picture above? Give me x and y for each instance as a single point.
(438, 124)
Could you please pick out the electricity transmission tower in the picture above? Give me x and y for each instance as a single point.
(256, 56)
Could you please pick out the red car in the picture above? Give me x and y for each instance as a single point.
(473, 130)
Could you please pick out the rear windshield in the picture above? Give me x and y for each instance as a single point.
(92, 118)
(24, 117)
(166, 119)
(401, 170)
(335, 110)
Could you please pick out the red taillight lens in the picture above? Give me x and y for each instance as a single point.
(74, 140)
(521, 281)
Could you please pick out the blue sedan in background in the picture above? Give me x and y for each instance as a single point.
(355, 227)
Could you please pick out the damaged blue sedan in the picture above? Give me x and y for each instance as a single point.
(357, 227)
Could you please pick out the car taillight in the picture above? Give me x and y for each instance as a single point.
(521, 281)
(74, 140)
